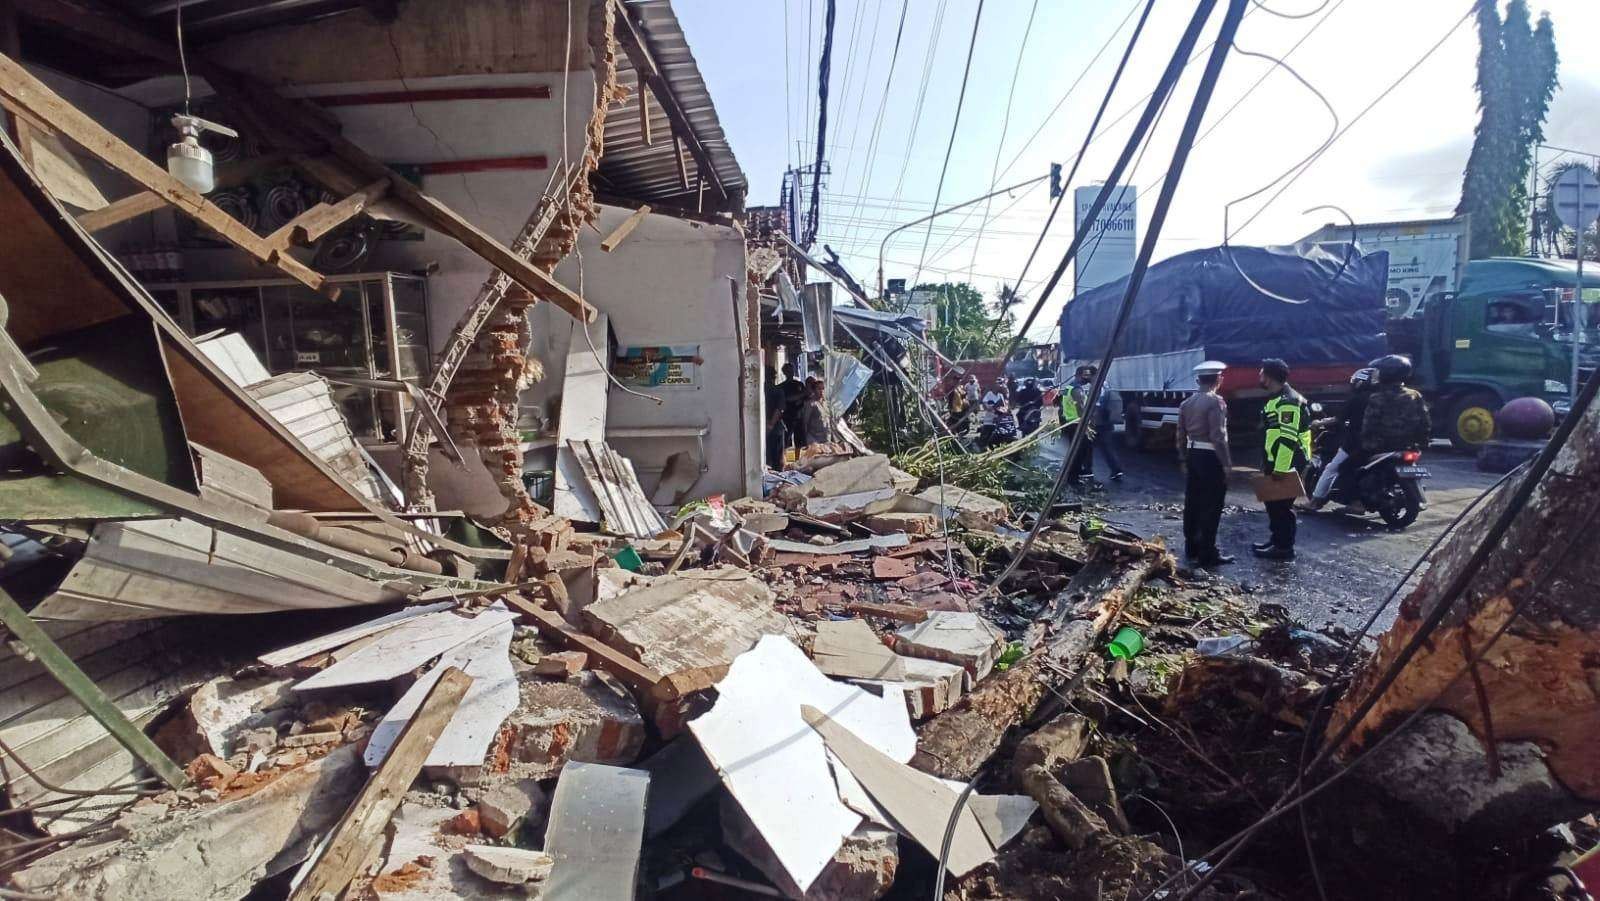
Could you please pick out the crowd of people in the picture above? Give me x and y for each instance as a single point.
(796, 416)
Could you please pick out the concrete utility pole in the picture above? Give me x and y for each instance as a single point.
(1488, 683)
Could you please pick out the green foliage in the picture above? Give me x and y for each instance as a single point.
(1517, 78)
(1556, 238)
(965, 321)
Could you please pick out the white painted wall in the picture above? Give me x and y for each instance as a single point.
(668, 283)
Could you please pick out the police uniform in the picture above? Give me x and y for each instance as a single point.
(1287, 447)
(1203, 446)
(1072, 401)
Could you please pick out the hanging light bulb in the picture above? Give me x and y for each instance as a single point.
(189, 162)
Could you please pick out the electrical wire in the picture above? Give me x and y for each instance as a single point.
(950, 146)
(824, 68)
(595, 351)
(1066, 183)
(1142, 132)
(1227, 208)
(1305, 15)
(1358, 117)
(183, 59)
(1005, 126)
(1490, 541)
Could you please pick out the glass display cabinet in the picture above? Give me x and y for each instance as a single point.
(378, 328)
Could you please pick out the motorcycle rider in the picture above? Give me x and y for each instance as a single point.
(1203, 455)
(1028, 397)
(1286, 449)
(1397, 417)
(1351, 419)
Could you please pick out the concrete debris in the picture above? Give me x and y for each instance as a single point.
(505, 806)
(849, 649)
(591, 718)
(561, 664)
(512, 866)
(970, 509)
(863, 867)
(930, 686)
(966, 639)
(222, 710)
(858, 474)
(916, 525)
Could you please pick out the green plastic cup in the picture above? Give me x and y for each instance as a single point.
(1127, 643)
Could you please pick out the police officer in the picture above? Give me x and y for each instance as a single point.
(1286, 424)
(1074, 400)
(1203, 454)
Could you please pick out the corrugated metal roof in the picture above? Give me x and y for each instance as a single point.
(650, 172)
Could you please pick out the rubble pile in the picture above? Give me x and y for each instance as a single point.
(733, 702)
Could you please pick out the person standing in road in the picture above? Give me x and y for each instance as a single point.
(1203, 455)
(1078, 392)
(1287, 447)
(777, 433)
(1397, 417)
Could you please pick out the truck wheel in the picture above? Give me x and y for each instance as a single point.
(1471, 420)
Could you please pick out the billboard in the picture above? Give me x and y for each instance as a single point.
(1109, 248)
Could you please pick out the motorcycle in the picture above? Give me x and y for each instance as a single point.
(1029, 416)
(1003, 430)
(1388, 484)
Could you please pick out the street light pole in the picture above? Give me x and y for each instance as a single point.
(965, 203)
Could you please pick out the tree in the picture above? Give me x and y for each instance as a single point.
(965, 321)
(1517, 65)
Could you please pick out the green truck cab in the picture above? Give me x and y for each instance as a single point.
(1506, 333)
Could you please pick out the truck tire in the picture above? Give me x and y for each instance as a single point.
(1470, 422)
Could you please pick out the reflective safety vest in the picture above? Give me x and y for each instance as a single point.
(1069, 407)
(1288, 438)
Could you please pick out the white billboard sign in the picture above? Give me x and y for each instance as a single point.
(1109, 247)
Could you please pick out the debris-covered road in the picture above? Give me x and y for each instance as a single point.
(1346, 564)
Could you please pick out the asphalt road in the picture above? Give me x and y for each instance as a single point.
(1345, 565)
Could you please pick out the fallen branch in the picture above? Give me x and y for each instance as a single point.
(956, 743)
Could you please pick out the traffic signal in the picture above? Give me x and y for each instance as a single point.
(1055, 180)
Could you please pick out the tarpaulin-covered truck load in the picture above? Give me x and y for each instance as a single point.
(1326, 320)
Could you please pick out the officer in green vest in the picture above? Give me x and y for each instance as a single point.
(1073, 401)
(1285, 421)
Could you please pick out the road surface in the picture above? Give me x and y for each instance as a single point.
(1346, 565)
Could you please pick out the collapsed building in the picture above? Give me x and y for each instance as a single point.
(384, 512)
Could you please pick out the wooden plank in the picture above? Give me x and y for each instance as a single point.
(87, 693)
(621, 232)
(30, 93)
(322, 218)
(362, 828)
(550, 624)
(121, 210)
(646, 136)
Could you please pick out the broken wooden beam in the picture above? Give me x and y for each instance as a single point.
(359, 832)
(86, 692)
(121, 210)
(621, 232)
(31, 94)
(601, 655)
(322, 218)
(956, 743)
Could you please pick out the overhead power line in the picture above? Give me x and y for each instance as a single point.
(823, 67)
(955, 128)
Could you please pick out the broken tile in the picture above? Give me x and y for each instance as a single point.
(505, 805)
(892, 568)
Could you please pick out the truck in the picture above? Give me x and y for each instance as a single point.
(1504, 330)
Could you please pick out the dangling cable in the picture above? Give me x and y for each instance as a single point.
(183, 61)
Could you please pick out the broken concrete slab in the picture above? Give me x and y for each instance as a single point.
(776, 767)
(970, 509)
(590, 718)
(222, 709)
(863, 868)
(868, 473)
(966, 639)
(840, 508)
(849, 649)
(917, 525)
(561, 664)
(511, 866)
(406, 647)
(930, 686)
(506, 805)
(596, 830)
(690, 621)
(216, 851)
(854, 546)
(893, 568)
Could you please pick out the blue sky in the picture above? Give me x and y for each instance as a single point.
(1401, 161)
